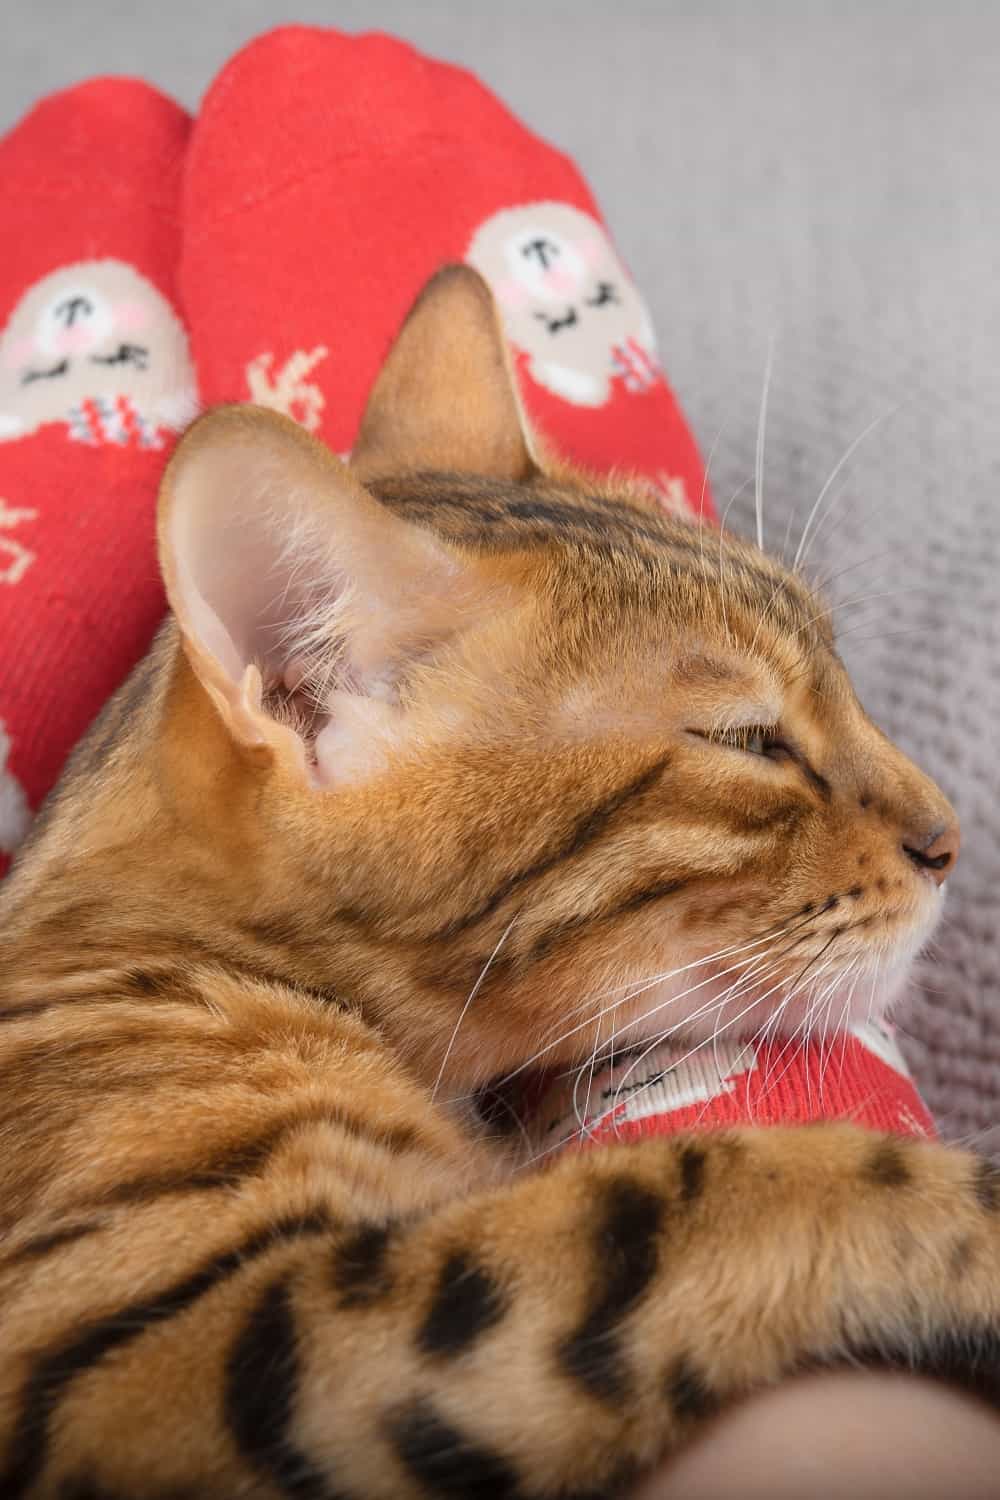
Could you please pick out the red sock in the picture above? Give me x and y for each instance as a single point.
(330, 176)
(858, 1076)
(95, 377)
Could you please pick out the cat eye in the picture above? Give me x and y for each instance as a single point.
(754, 739)
(751, 739)
(756, 743)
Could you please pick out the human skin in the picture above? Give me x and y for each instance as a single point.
(850, 1435)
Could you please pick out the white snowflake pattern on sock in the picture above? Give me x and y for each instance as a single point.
(15, 557)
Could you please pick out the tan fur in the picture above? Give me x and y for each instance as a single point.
(246, 1250)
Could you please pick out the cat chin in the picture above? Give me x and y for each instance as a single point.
(10, 426)
(696, 1006)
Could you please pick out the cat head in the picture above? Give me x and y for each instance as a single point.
(567, 301)
(91, 332)
(468, 738)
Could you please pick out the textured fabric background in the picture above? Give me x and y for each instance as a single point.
(825, 174)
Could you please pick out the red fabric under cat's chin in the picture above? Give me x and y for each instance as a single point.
(859, 1076)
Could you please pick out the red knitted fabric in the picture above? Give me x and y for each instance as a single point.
(858, 1076)
(94, 378)
(330, 176)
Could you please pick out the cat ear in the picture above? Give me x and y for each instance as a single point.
(301, 599)
(446, 398)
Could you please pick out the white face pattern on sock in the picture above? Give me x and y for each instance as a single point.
(96, 346)
(15, 814)
(567, 301)
(661, 1081)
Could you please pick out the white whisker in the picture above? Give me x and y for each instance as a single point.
(465, 1008)
(759, 459)
(801, 550)
(640, 988)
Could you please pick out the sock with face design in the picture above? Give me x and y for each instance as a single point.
(330, 176)
(95, 380)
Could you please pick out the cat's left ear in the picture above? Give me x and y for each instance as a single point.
(288, 578)
(446, 398)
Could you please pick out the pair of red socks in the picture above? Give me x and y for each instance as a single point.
(267, 251)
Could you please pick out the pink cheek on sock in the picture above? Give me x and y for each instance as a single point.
(510, 293)
(598, 258)
(560, 283)
(130, 317)
(18, 353)
(73, 340)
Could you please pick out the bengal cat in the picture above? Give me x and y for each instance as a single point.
(450, 722)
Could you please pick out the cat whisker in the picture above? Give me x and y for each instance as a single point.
(883, 635)
(704, 491)
(695, 1015)
(915, 588)
(823, 584)
(759, 458)
(769, 1084)
(824, 1009)
(672, 1000)
(843, 1023)
(581, 1119)
(761, 1036)
(588, 1128)
(465, 1008)
(692, 1052)
(719, 975)
(668, 1032)
(801, 552)
(634, 992)
(727, 952)
(633, 988)
(657, 1041)
(722, 574)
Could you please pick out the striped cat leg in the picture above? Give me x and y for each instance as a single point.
(547, 1339)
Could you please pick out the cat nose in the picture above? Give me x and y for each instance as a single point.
(934, 854)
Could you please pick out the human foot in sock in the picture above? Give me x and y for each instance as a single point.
(95, 379)
(330, 176)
